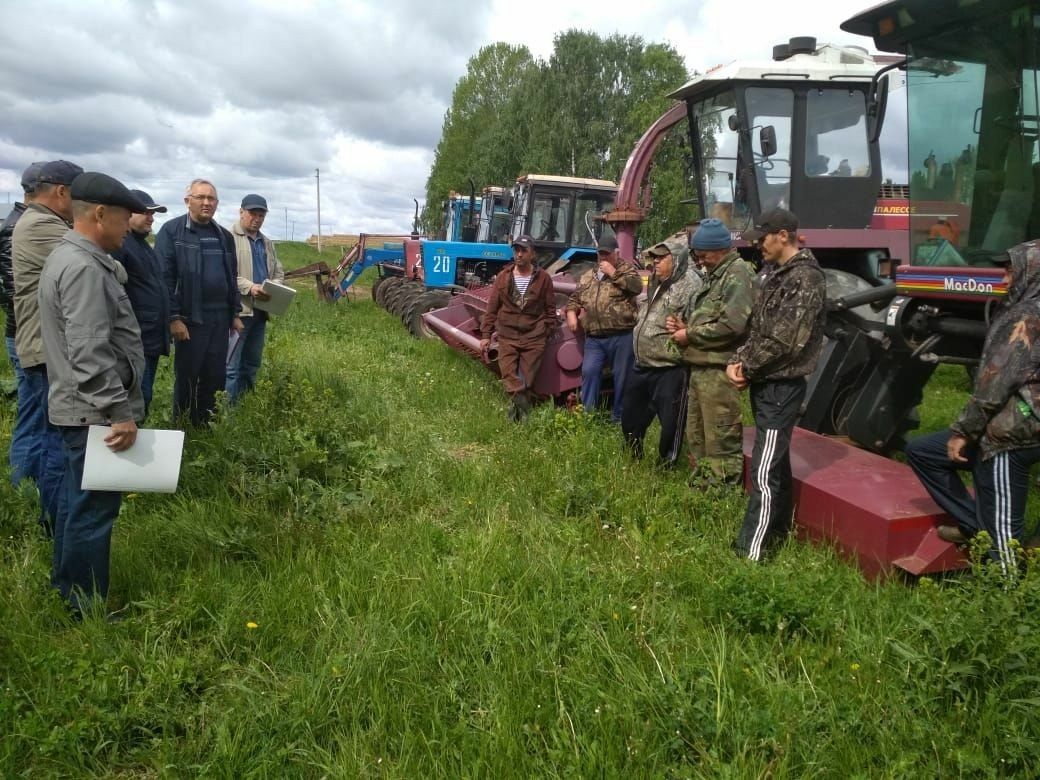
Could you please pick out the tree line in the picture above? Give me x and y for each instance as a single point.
(579, 113)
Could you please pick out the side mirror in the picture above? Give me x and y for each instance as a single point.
(733, 123)
(767, 140)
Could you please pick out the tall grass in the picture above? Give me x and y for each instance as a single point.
(437, 592)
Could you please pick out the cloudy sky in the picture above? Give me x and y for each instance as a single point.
(257, 95)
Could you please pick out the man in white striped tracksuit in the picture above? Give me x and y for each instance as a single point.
(785, 337)
(997, 435)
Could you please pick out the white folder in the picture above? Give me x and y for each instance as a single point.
(281, 297)
(151, 465)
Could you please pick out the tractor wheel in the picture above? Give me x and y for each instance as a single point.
(386, 288)
(376, 285)
(428, 301)
(390, 299)
(404, 291)
(404, 306)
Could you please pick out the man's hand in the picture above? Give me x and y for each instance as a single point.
(179, 331)
(572, 321)
(237, 325)
(257, 291)
(735, 374)
(122, 436)
(485, 344)
(607, 269)
(955, 448)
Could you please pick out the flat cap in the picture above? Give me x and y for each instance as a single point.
(31, 176)
(100, 188)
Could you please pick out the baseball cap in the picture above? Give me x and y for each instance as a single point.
(149, 204)
(58, 172)
(525, 241)
(667, 247)
(772, 222)
(607, 244)
(253, 202)
(100, 188)
(31, 176)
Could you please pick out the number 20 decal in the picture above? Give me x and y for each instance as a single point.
(441, 264)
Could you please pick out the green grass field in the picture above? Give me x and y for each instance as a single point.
(368, 572)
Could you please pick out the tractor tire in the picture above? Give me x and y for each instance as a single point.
(390, 299)
(376, 285)
(398, 297)
(386, 288)
(404, 306)
(428, 301)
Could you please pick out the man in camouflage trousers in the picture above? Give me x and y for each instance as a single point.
(658, 383)
(715, 326)
(784, 342)
(607, 296)
(997, 435)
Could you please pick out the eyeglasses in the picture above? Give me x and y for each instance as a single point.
(204, 198)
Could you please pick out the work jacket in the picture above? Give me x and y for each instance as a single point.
(38, 232)
(180, 253)
(652, 343)
(522, 319)
(609, 304)
(1003, 412)
(244, 254)
(94, 357)
(786, 332)
(6, 271)
(717, 321)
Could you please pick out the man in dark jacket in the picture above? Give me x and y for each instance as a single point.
(997, 435)
(201, 271)
(20, 440)
(784, 342)
(606, 299)
(148, 294)
(522, 310)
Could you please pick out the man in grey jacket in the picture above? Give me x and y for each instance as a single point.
(95, 362)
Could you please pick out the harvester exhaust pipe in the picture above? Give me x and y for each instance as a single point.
(415, 219)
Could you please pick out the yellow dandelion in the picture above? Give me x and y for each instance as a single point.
(854, 667)
(251, 625)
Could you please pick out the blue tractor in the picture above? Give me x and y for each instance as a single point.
(560, 213)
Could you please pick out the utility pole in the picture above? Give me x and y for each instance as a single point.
(286, 233)
(317, 181)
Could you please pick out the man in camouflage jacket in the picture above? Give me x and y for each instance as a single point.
(607, 296)
(713, 329)
(997, 434)
(784, 342)
(657, 384)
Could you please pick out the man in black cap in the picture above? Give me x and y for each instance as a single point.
(200, 270)
(257, 262)
(522, 311)
(95, 363)
(607, 296)
(20, 440)
(35, 236)
(785, 336)
(147, 290)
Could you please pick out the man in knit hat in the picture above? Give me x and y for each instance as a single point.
(716, 325)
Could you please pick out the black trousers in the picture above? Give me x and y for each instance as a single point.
(1001, 488)
(199, 369)
(661, 393)
(777, 405)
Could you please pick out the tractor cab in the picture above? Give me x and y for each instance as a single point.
(461, 214)
(561, 213)
(973, 95)
(792, 133)
(493, 223)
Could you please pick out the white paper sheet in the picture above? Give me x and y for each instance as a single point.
(234, 337)
(281, 297)
(152, 465)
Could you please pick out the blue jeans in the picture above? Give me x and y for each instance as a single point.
(82, 531)
(44, 460)
(20, 446)
(245, 363)
(599, 350)
(151, 364)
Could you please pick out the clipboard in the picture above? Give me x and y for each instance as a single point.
(281, 297)
(152, 465)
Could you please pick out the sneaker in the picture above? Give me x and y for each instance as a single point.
(952, 534)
